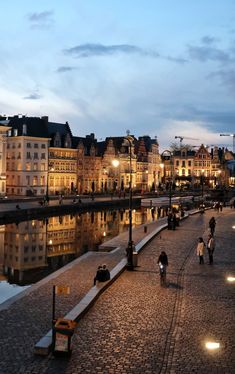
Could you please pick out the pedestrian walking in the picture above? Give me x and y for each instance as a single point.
(212, 224)
(200, 250)
(210, 248)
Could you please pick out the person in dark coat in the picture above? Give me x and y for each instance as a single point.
(169, 221)
(99, 275)
(212, 224)
(163, 259)
(210, 248)
(106, 273)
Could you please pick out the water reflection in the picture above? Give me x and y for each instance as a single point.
(31, 250)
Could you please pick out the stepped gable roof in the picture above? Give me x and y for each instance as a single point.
(148, 142)
(35, 126)
(87, 142)
(117, 141)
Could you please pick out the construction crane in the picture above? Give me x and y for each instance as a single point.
(184, 137)
(233, 135)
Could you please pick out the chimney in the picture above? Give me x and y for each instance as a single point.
(45, 119)
(24, 131)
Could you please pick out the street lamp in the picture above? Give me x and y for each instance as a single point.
(130, 241)
(170, 154)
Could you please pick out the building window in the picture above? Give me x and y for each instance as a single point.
(35, 166)
(35, 180)
(27, 166)
(35, 145)
(177, 162)
(35, 156)
(43, 146)
(43, 156)
(28, 145)
(28, 155)
(189, 163)
(183, 164)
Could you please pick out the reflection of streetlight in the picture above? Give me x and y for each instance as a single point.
(170, 154)
(130, 242)
(47, 189)
(202, 183)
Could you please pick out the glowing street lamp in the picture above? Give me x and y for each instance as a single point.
(231, 279)
(210, 345)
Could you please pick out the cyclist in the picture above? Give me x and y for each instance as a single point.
(163, 263)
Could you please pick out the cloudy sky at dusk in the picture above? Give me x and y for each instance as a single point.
(158, 68)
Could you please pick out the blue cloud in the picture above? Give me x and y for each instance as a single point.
(90, 50)
(64, 69)
(207, 53)
(41, 19)
(34, 96)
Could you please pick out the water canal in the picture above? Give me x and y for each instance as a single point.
(31, 250)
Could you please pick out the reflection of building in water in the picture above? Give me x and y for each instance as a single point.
(61, 246)
(93, 228)
(33, 249)
(24, 248)
(2, 232)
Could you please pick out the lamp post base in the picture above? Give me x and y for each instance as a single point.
(129, 252)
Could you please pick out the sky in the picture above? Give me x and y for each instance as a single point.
(162, 68)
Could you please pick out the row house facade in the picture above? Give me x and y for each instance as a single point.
(39, 157)
(27, 157)
(44, 158)
(190, 167)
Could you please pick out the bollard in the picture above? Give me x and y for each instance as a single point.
(145, 229)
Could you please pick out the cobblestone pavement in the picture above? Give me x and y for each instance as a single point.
(136, 326)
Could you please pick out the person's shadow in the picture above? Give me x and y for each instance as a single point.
(174, 285)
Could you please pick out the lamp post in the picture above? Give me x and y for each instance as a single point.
(170, 176)
(130, 241)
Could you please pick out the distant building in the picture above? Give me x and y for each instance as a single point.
(27, 156)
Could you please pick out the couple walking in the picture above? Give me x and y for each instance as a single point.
(210, 249)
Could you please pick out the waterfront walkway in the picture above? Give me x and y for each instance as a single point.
(135, 326)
